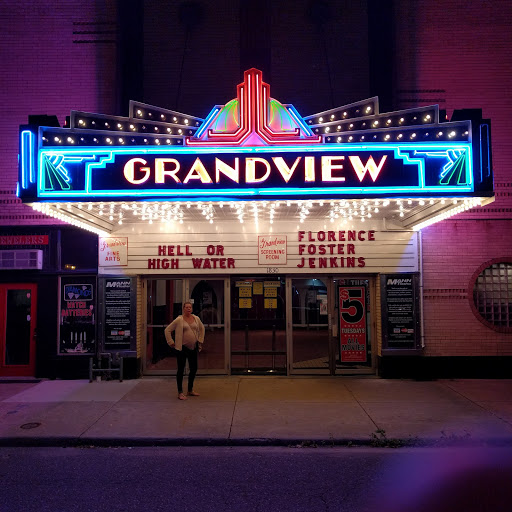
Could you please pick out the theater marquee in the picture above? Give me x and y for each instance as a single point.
(254, 148)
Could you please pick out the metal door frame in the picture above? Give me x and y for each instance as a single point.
(289, 325)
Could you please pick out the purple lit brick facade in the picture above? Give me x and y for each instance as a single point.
(52, 62)
(461, 55)
(66, 56)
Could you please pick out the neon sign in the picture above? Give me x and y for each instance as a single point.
(353, 170)
(251, 147)
(259, 171)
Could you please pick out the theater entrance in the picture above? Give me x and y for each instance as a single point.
(267, 325)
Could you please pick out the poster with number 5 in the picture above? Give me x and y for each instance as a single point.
(353, 335)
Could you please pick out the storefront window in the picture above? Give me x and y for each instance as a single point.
(79, 250)
(492, 295)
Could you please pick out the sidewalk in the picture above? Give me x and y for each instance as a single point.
(257, 410)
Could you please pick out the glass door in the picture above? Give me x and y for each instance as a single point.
(258, 325)
(164, 303)
(208, 298)
(17, 329)
(310, 326)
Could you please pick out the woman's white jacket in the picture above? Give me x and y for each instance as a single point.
(177, 326)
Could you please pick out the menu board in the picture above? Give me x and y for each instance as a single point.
(118, 314)
(401, 311)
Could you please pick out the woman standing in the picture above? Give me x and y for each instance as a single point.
(188, 341)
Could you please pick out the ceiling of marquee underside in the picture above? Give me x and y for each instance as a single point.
(108, 217)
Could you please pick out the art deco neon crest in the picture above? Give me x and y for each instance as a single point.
(253, 119)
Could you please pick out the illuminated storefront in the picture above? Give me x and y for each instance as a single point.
(297, 238)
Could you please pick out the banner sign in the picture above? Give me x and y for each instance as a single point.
(24, 240)
(77, 324)
(353, 334)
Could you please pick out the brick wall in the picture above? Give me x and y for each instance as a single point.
(458, 54)
(191, 74)
(55, 58)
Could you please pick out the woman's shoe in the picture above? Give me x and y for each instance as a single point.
(181, 396)
(193, 393)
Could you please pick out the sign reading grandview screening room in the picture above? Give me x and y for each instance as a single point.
(400, 322)
(272, 250)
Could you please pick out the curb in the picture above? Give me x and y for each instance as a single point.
(83, 442)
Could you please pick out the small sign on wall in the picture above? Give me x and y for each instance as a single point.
(270, 292)
(112, 252)
(245, 291)
(270, 304)
(245, 303)
(257, 288)
(272, 250)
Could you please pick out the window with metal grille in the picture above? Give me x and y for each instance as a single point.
(492, 296)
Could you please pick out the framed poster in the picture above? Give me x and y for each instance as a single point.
(77, 315)
(400, 311)
(353, 334)
(118, 314)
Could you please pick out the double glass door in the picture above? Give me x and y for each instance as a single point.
(258, 325)
(165, 299)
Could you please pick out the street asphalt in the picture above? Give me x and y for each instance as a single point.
(309, 411)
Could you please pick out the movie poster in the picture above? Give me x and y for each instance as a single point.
(353, 335)
(77, 325)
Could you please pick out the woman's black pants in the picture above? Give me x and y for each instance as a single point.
(182, 357)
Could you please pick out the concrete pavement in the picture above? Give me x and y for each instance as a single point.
(257, 411)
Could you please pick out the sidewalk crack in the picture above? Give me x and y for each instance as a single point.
(492, 413)
(234, 408)
(112, 404)
(362, 407)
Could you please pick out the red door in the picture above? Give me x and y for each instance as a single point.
(17, 329)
